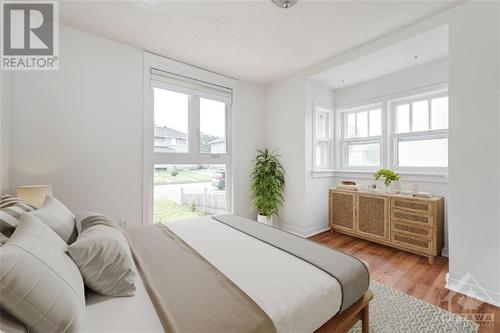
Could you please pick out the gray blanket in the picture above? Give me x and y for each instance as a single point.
(351, 273)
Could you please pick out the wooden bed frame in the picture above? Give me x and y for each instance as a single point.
(347, 319)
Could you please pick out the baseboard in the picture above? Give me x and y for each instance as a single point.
(444, 252)
(305, 233)
(470, 287)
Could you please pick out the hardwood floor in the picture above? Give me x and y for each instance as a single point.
(413, 275)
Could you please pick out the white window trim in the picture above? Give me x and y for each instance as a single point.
(194, 157)
(342, 141)
(329, 139)
(433, 175)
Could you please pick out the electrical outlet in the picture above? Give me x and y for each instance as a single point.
(123, 224)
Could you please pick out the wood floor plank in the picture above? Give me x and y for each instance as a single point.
(411, 274)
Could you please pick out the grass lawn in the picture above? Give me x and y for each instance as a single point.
(166, 210)
(184, 176)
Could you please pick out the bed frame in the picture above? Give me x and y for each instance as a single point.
(347, 319)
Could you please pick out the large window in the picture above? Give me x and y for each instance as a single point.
(190, 148)
(420, 132)
(406, 134)
(361, 132)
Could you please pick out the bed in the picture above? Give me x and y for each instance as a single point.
(230, 274)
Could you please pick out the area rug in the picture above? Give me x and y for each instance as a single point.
(392, 311)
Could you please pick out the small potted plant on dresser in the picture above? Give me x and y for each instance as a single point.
(387, 180)
(267, 185)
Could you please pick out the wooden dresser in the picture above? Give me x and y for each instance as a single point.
(407, 223)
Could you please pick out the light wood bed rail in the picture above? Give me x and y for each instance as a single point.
(347, 319)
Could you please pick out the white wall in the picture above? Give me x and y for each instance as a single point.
(250, 106)
(79, 129)
(285, 132)
(400, 83)
(316, 189)
(6, 128)
(474, 148)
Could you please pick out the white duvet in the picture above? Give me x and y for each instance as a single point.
(296, 295)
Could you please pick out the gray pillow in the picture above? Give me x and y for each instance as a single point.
(41, 286)
(11, 210)
(59, 218)
(102, 254)
(87, 219)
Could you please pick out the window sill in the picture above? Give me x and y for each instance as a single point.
(322, 173)
(406, 176)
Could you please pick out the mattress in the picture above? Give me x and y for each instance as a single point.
(106, 314)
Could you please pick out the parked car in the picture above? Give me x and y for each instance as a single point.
(219, 180)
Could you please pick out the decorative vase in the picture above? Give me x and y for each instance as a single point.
(265, 219)
(396, 187)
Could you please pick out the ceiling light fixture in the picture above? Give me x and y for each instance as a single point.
(284, 3)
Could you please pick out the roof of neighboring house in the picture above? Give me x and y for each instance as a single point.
(216, 141)
(168, 132)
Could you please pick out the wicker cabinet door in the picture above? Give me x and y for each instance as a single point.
(373, 216)
(342, 211)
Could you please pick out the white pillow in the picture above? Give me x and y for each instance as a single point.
(59, 218)
(40, 284)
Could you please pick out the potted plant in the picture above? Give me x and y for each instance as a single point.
(267, 184)
(385, 178)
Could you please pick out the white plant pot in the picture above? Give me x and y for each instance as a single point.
(265, 219)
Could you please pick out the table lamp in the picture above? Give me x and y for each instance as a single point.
(34, 194)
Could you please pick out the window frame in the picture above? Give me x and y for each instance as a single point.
(194, 155)
(343, 141)
(429, 134)
(328, 139)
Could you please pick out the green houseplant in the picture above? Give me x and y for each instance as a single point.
(388, 177)
(267, 184)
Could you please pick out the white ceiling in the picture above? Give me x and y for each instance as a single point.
(248, 40)
(421, 49)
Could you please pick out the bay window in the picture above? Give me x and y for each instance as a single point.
(407, 134)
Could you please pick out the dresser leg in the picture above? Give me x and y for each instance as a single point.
(432, 260)
(331, 231)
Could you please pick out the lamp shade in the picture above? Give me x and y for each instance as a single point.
(34, 194)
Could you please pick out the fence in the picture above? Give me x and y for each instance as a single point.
(207, 202)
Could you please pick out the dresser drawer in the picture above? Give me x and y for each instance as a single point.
(412, 205)
(418, 219)
(411, 242)
(411, 229)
